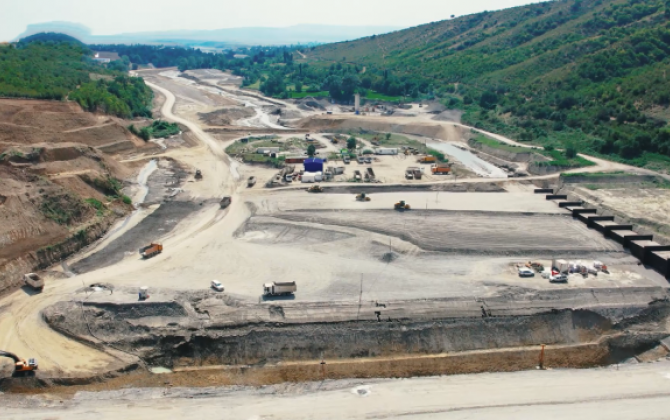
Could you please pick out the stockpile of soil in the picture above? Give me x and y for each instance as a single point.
(227, 115)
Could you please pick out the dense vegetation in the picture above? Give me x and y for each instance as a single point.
(59, 68)
(157, 129)
(124, 96)
(589, 74)
(272, 70)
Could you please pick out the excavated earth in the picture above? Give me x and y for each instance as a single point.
(208, 328)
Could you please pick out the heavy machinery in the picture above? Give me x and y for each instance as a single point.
(401, 205)
(251, 181)
(198, 174)
(225, 201)
(440, 170)
(151, 250)
(279, 288)
(362, 197)
(21, 366)
(315, 189)
(34, 281)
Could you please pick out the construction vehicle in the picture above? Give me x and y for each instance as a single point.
(440, 169)
(401, 205)
(428, 159)
(225, 201)
(357, 175)
(279, 288)
(362, 197)
(315, 189)
(34, 281)
(21, 366)
(198, 174)
(371, 174)
(417, 173)
(151, 250)
(251, 181)
(409, 173)
(144, 293)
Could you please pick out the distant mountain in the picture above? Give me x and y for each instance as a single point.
(299, 34)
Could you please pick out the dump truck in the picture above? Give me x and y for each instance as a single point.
(151, 250)
(409, 173)
(440, 169)
(225, 201)
(279, 288)
(251, 181)
(417, 173)
(401, 205)
(34, 281)
(21, 366)
(371, 173)
(362, 197)
(428, 159)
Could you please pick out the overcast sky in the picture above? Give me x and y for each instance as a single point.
(118, 16)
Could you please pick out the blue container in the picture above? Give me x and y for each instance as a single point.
(313, 165)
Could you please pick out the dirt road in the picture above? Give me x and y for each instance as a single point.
(626, 392)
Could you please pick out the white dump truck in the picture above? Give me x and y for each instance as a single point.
(279, 288)
(34, 281)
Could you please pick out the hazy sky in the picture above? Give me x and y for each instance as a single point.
(118, 16)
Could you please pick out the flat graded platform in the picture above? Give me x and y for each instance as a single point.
(485, 232)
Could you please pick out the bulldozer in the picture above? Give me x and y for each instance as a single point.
(315, 189)
(362, 197)
(401, 205)
(21, 366)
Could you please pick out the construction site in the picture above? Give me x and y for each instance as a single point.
(276, 241)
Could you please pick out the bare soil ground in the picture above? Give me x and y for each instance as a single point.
(648, 207)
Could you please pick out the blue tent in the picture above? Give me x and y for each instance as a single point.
(313, 165)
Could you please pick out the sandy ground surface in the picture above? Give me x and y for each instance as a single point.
(615, 393)
(638, 203)
(330, 262)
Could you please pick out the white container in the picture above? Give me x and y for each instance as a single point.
(318, 177)
(308, 177)
(386, 151)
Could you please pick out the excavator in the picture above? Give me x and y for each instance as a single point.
(401, 205)
(21, 367)
(363, 197)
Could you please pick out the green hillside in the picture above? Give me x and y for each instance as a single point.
(60, 69)
(589, 72)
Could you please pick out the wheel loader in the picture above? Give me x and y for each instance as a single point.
(401, 205)
(362, 197)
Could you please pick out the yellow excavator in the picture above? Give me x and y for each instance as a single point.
(21, 366)
(362, 197)
(401, 205)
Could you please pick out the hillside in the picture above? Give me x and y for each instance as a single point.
(58, 70)
(591, 72)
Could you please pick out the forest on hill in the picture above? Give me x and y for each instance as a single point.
(591, 73)
(53, 67)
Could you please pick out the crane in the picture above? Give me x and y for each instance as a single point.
(21, 366)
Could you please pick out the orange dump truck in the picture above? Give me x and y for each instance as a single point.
(441, 169)
(151, 250)
(428, 159)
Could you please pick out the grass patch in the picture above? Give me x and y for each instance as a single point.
(301, 95)
(558, 158)
(384, 139)
(592, 174)
(381, 97)
(502, 146)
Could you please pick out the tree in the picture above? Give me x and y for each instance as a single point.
(311, 150)
(298, 86)
(388, 136)
(570, 151)
(351, 143)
